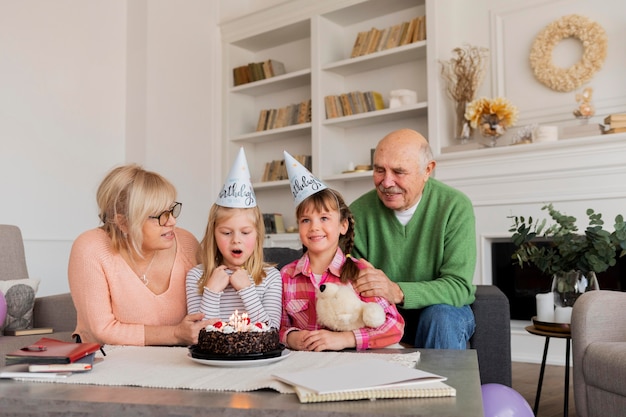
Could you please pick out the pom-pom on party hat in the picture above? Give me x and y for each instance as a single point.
(237, 191)
(302, 182)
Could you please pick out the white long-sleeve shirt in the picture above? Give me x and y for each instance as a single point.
(262, 302)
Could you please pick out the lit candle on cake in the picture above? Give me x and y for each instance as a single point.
(239, 323)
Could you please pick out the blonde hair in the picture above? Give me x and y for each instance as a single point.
(210, 255)
(126, 197)
(331, 200)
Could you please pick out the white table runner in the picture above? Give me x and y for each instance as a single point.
(171, 367)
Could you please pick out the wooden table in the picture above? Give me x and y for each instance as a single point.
(559, 335)
(46, 399)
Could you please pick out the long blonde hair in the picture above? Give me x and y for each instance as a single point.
(211, 257)
(126, 197)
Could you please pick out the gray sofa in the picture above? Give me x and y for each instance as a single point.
(492, 338)
(599, 352)
(55, 311)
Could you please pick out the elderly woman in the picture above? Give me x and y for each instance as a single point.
(127, 277)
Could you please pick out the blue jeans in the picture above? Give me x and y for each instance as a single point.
(440, 326)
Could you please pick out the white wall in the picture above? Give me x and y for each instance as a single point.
(88, 85)
(62, 116)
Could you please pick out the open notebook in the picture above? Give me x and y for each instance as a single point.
(367, 379)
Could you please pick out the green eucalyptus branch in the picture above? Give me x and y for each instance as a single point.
(593, 251)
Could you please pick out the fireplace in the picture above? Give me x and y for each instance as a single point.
(520, 285)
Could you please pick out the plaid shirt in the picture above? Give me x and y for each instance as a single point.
(299, 287)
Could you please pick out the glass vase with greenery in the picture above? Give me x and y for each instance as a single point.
(568, 253)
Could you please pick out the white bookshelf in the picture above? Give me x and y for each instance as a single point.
(314, 40)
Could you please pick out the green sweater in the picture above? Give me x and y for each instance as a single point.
(433, 257)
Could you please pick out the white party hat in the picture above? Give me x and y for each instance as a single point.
(237, 190)
(302, 182)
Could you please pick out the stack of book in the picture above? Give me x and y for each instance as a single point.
(351, 103)
(376, 40)
(256, 71)
(276, 170)
(292, 114)
(615, 123)
(49, 358)
(274, 223)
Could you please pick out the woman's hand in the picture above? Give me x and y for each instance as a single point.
(186, 332)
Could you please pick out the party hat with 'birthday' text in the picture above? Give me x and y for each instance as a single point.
(302, 182)
(237, 190)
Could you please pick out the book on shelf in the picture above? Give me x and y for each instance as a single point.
(384, 36)
(274, 223)
(256, 71)
(616, 124)
(354, 102)
(284, 116)
(26, 332)
(379, 102)
(615, 117)
(394, 36)
(52, 351)
(408, 35)
(365, 43)
(420, 30)
(372, 41)
(358, 42)
(404, 28)
(277, 67)
(614, 130)
(346, 109)
(304, 112)
(367, 379)
(262, 123)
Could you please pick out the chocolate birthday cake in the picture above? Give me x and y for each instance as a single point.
(238, 338)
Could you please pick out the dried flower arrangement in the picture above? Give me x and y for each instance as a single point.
(594, 42)
(493, 116)
(464, 73)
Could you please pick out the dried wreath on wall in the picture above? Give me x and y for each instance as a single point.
(594, 42)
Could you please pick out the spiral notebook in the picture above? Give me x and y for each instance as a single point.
(367, 379)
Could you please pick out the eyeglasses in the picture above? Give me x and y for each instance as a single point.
(165, 216)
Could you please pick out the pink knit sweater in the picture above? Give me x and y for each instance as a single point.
(112, 304)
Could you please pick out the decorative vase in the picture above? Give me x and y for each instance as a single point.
(568, 286)
(462, 128)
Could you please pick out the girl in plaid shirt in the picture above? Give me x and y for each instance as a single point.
(326, 228)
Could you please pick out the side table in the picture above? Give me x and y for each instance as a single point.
(561, 334)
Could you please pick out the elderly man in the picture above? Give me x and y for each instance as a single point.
(419, 237)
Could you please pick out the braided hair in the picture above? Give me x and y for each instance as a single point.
(329, 199)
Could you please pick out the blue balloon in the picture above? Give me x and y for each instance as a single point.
(502, 401)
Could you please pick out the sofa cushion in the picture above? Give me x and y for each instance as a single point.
(20, 299)
(604, 366)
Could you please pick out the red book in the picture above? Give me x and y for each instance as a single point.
(52, 351)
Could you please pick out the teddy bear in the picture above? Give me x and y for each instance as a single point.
(339, 308)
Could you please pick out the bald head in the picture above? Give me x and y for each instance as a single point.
(403, 163)
(408, 142)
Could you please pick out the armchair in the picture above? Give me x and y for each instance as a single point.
(599, 353)
(55, 311)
